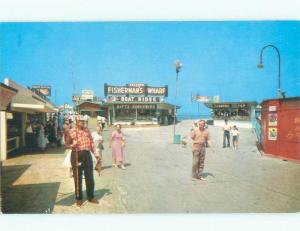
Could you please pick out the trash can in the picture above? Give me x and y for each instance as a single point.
(177, 139)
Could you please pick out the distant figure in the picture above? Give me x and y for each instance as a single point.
(117, 143)
(235, 137)
(41, 138)
(103, 121)
(86, 120)
(226, 134)
(99, 120)
(51, 132)
(29, 136)
(199, 136)
(98, 144)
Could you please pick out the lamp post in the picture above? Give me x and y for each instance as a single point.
(261, 65)
(178, 66)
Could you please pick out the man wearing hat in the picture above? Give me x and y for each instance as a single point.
(79, 139)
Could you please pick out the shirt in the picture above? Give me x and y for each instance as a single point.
(226, 127)
(199, 138)
(83, 138)
(97, 138)
(235, 132)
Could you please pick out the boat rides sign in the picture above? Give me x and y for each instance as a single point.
(135, 89)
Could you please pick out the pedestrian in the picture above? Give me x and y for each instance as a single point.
(226, 134)
(65, 130)
(51, 132)
(79, 139)
(103, 121)
(86, 120)
(29, 136)
(199, 136)
(98, 144)
(117, 143)
(235, 137)
(41, 138)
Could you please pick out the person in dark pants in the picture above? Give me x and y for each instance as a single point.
(226, 134)
(79, 139)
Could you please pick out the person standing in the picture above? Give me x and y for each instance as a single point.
(29, 136)
(79, 139)
(41, 139)
(235, 137)
(86, 120)
(199, 136)
(226, 134)
(103, 121)
(98, 144)
(117, 143)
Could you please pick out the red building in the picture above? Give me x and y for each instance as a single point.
(280, 128)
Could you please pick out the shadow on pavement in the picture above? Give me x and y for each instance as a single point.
(9, 174)
(206, 174)
(110, 166)
(69, 198)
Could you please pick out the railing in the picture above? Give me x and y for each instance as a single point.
(13, 144)
(257, 128)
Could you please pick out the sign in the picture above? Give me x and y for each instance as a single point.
(216, 99)
(134, 99)
(41, 90)
(199, 98)
(75, 98)
(9, 115)
(135, 106)
(87, 95)
(272, 134)
(135, 89)
(272, 108)
(273, 119)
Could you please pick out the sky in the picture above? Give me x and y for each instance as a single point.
(219, 58)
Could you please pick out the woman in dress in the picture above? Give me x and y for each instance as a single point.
(41, 139)
(117, 143)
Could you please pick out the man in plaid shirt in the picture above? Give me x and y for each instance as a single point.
(79, 139)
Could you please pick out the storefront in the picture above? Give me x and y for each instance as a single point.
(238, 111)
(92, 109)
(138, 104)
(24, 105)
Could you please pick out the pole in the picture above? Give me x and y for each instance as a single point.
(279, 64)
(175, 104)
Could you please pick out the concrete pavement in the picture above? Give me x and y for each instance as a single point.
(157, 179)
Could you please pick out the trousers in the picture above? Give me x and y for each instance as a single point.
(85, 165)
(198, 162)
(226, 136)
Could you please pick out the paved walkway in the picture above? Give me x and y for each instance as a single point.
(158, 179)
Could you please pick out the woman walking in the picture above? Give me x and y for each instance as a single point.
(117, 143)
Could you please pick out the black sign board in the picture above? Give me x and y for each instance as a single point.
(41, 90)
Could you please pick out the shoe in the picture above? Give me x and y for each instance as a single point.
(78, 203)
(94, 201)
(195, 178)
(114, 165)
(202, 178)
(122, 167)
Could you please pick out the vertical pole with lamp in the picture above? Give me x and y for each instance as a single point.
(176, 138)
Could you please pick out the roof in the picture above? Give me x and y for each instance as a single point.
(296, 98)
(27, 101)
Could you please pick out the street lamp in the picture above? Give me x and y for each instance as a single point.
(178, 66)
(261, 65)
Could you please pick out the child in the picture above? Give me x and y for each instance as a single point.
(235, 136)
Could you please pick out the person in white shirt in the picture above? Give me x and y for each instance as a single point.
(226, 134)
(98, 144)
(86, 120)
(103, 121)
(235, 137)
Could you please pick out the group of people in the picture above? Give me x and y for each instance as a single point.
(227, 129)
(38, 136)
(84, 146)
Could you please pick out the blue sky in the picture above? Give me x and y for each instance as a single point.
(219, 58)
